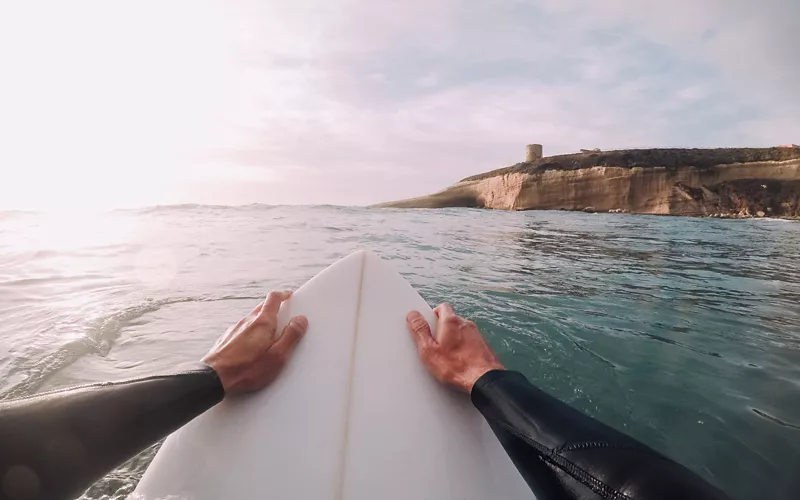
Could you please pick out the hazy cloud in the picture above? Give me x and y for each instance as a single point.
(356, 101)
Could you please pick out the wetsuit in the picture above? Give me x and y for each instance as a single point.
(55, 445)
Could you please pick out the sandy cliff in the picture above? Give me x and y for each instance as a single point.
(727, 182)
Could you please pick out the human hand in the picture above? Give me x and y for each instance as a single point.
(248, 357)
(460, 355)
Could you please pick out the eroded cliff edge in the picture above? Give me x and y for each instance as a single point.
(728, 182)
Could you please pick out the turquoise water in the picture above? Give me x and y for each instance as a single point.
(682, 332)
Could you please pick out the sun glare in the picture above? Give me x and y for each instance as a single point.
(115, 104)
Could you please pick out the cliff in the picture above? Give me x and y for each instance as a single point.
(729, 182)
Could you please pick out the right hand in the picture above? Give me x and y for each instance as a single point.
(460, 355)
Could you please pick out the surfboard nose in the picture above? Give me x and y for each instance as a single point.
(353, 415)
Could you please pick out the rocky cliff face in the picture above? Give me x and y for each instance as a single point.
(711, 182)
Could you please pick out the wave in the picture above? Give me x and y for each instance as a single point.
(120, 483)
(774, 219)
(185, 207)
(775, 419)
(30, 372)
(188, 207)
(20, 282)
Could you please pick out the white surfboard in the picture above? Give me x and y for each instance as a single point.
(353, 416)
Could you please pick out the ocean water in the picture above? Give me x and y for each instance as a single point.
(684, 333)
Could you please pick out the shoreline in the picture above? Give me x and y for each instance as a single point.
(717, 183)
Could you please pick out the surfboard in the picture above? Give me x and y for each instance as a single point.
(354, 415)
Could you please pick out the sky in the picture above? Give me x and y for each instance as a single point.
(117, 103)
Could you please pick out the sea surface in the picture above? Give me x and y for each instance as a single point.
(683, 332)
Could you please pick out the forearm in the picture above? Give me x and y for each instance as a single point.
(56, 444)
(564, 454)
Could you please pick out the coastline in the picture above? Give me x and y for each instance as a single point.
(721, 183)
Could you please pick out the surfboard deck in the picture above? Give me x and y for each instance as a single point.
(354, 415)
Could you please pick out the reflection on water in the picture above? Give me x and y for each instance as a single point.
(683, 332)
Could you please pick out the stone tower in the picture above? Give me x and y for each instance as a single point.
(534, 153)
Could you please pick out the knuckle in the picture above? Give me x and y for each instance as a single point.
(419, 324)
(452, 321)
(425, 350)
(293, 334)
(280, 357)
(245, 326)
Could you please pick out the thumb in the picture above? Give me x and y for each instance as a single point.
(291, 335)
(419, 328)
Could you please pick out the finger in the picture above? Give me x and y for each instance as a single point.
(419, 328)
(444, 310)
(257, 309)
(291, 335)
(273, 302)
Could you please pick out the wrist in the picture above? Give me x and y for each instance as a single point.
(480, 372)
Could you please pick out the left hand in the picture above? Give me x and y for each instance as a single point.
(248, 357)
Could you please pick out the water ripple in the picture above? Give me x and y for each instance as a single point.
(682, 332)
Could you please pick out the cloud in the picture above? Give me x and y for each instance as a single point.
(751, 46)
(465, 85)
(356, 101)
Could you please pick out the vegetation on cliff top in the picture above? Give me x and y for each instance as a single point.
(647, 158)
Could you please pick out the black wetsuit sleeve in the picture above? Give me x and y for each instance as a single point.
(563, 454)
(55, 445)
